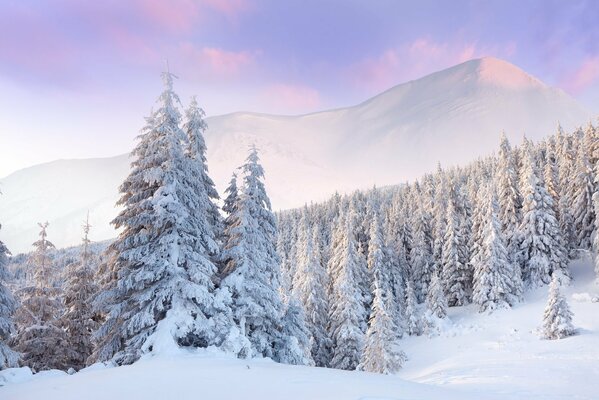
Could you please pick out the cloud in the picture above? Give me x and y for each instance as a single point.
(415, 59)
(174, 15)
(229, 8)
(215, 61)
(290, 98)
(583, 77)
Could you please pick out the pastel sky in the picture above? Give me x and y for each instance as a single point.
(77, 76)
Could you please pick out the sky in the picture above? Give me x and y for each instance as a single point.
(77, 77)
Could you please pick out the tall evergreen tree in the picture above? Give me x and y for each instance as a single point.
(163, 294)
(557, 318)
(8, 357)
(494, 283)
(206, 195)
(421, 258)
(413, 318)
(252, 270)
(436, 303)
(310, 287)
(540, 248)
(40, 339)
(347, 305)
(582, 199)
(454, 272)
(79, 318)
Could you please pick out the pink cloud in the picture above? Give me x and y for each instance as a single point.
(215, 61)
(230, 8)
(174, 15)
(415, 59)
(586, 75)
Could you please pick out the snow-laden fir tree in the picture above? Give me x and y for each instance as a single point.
(296, 340)
(381, 349)
(436, 303)
(583, 212)
(8, 357)
(163, 295)
(252, 268)
(310, 288)
(541, 251)
(454, 271)
(421, 258)
(557, 318)
(40, 339)
(565, 161)
(232, 196)
(494, 281)
(347, 304)
(413, 323)
(206, 194)
(510, 201)
(79, 318)
(439, 212)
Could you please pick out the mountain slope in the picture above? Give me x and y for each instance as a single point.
(451, 116)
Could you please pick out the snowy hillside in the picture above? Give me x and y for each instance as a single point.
(395, 136)
(477, 356)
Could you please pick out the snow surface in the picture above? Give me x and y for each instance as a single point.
(477, 356)
(451, 116)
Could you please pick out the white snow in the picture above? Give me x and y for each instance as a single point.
(477, 356)
(452, 116)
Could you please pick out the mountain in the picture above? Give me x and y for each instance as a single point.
(451, 117)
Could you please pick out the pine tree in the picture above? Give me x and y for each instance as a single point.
(510, 201)
(436, 303)
(232, 196)
(252, 270)
(582, 200)
(557, 318)
(381, 351)
(413, 318)
(163, 295)
(8, 357)
(347, 305)
(310, 287)
(494, 283)
(421, 258)
(295, 339)
(541, 249)
(79, 318)
(40, 339)
(206, 195)
(455, 273)
(565, 162)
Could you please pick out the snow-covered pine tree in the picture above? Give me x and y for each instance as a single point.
(541, 249)
(565, 163)
(310, 287)
(557, 318)
(454, 271)
(582, 199)
(494, 283)
(414, 323)
(296, 340)
(79, 318)
(347, 304)
(436, 303)
(206, 194)
(8, 357)
(232, 196)
(510, 201)
(381, 350)
(421, 258)
(439, 212)
(163, 296)
(40, 339)
(252, 268)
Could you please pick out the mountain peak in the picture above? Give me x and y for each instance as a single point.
(497, 72)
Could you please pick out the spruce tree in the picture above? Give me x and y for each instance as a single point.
(540, 249)
(421, 258)
(557, 318)
(413, 318)
(295, 341)
(162, 260)
(79, 318)
(381, 351)
(206, 195)
(40, 339)
(8, 357)
(310, 287)
(436, 303)
(582, 199)
(252, 273)
(454, 272)
(347, 303)
(494, 283)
